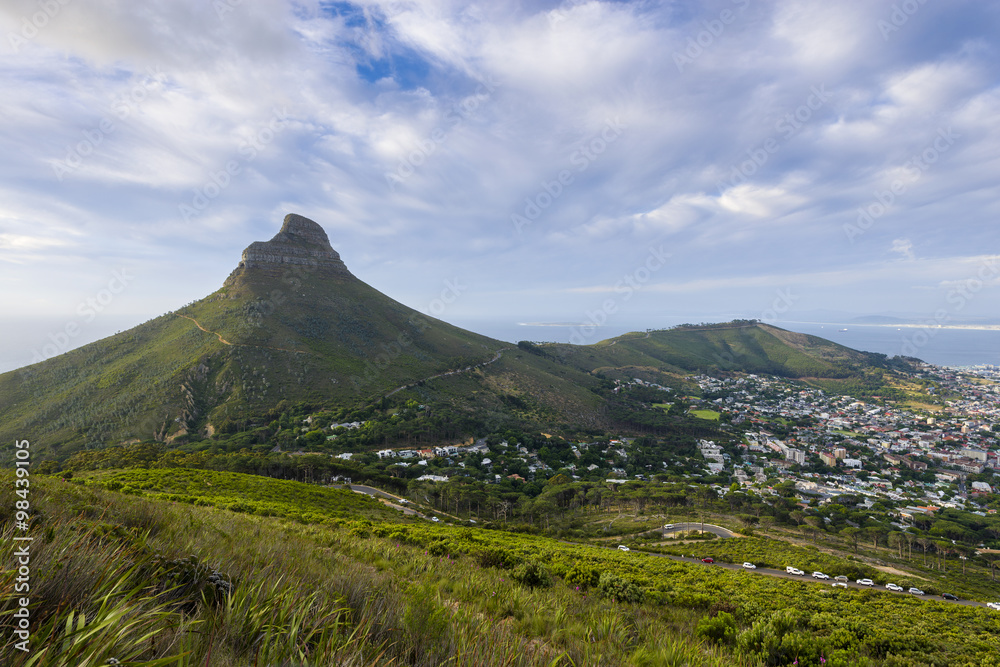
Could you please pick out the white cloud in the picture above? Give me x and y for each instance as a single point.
(367, 87)
(903, 247)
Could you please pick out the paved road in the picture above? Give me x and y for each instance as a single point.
(804, 578)
(391, 500)
(706, 549)
(707, 527)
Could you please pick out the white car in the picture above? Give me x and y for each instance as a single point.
(668, 526)
(820, 575)
(839, 584)
(894, 587)
(794, 570)
(915, 591)
(435, 519)
(750, 566)
(622, 547)
(866, 582)
(993, 605)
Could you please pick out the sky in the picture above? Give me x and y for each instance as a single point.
(629, 164)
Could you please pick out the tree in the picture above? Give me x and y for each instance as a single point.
(875, 534)
(943, 548)
(925, 543)
(853, 535)
(895, 539)
(993, 560)
(816, 524)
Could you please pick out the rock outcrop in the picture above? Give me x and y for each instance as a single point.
(301, 243)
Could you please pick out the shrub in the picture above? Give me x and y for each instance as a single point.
(533, 575)
(720, 628)
(615, 587)
(498, 558)
(583, 576)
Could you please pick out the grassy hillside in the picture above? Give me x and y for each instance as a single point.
(302, 333)
(751, 348)
(149, 581)
(292, 325)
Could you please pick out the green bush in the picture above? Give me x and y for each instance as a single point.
(720, 629)
(583, 576)
(619, 589)
(533, 575)
(501, 559)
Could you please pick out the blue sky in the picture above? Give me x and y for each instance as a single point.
(634, 163)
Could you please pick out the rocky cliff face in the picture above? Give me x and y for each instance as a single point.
(300, 244)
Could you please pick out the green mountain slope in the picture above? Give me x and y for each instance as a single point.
(290, 323)
(749, 347)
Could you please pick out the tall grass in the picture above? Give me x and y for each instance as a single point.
(155, 583)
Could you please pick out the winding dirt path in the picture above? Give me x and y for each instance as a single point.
(226, 342)
(197, 324)
(457, 371)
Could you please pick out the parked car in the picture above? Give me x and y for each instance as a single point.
(707, 560)
(820, 575)
(750, 566)
(915, 591)
(949, 596)
(841, 584)
(894, 587)
(993, 605)
(841, 577)
(866, 582)
(622, 547)
(794, 570)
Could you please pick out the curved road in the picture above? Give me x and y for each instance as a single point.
(717, 530)
(390, 500)
(784, 575)
(707, 527)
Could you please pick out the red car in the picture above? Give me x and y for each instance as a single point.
(707, 560)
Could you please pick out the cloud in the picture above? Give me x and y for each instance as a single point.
(904, 247)
(417, 130)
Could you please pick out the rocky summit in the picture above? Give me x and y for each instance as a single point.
(300, 242)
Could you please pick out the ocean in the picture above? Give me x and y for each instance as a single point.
(942, 347)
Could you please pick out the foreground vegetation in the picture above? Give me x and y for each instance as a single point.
(149, 581)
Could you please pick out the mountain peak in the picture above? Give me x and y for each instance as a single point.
(299, 242)
(299, 229)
